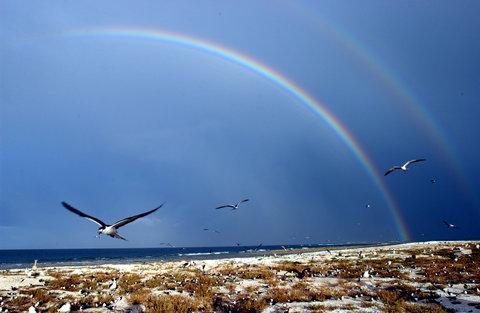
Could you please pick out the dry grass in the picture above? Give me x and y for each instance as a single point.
(245, 303)
(392, 302)
(105, 298)
(129, 283)
(70, 283)
(199, 290)
(298, 293)
(172, 304)
(447, 267)
(20, 302)
(139, 297)
(257, 272)
(100, 278)
(232, 287)
(321, 308)
(423, 308)
(38, 295)
(158, 282)
(57, 273)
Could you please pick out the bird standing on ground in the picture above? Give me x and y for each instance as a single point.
(113, 285)
(110, 230)
(234, 207)
(403, 167)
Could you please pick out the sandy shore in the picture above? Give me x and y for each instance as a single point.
(412, 277)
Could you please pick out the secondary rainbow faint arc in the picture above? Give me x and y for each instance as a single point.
(276, 78)
(390, 77)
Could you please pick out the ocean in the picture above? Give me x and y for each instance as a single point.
(12, 259)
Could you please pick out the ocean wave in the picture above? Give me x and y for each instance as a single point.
(203, 253)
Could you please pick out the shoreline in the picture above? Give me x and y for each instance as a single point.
(177, 253)
(425, 276)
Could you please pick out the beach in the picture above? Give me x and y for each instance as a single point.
(440, 276)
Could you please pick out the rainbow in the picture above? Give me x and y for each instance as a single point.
(418, 111)
(278, 80)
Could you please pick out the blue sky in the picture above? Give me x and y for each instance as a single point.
(116, 126)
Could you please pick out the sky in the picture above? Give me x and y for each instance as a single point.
(299, 106)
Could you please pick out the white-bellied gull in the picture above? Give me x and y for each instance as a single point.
(404, 167)
(110, 230)
(234, 207)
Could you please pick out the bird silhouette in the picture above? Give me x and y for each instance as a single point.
(234, 207)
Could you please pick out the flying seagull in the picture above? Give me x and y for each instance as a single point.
(403, 167)
(212, 230)
(258, 247)
(110, 230)
(433, 181)
(234, 207)
(450, 225)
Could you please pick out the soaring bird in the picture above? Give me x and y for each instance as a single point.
(258, 247)
(234, 207)
(212, 230)
(110, 230)
(403, 167)
(450, 225)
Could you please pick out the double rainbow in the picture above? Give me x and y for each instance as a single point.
(279, 80)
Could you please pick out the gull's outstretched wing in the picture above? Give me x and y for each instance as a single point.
(242, 201)
(391, 170)
(130, 219)
(116, 235)
(93, 219)
(413, 161)
(225, 206)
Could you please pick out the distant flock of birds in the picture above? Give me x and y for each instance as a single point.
(112, 230)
